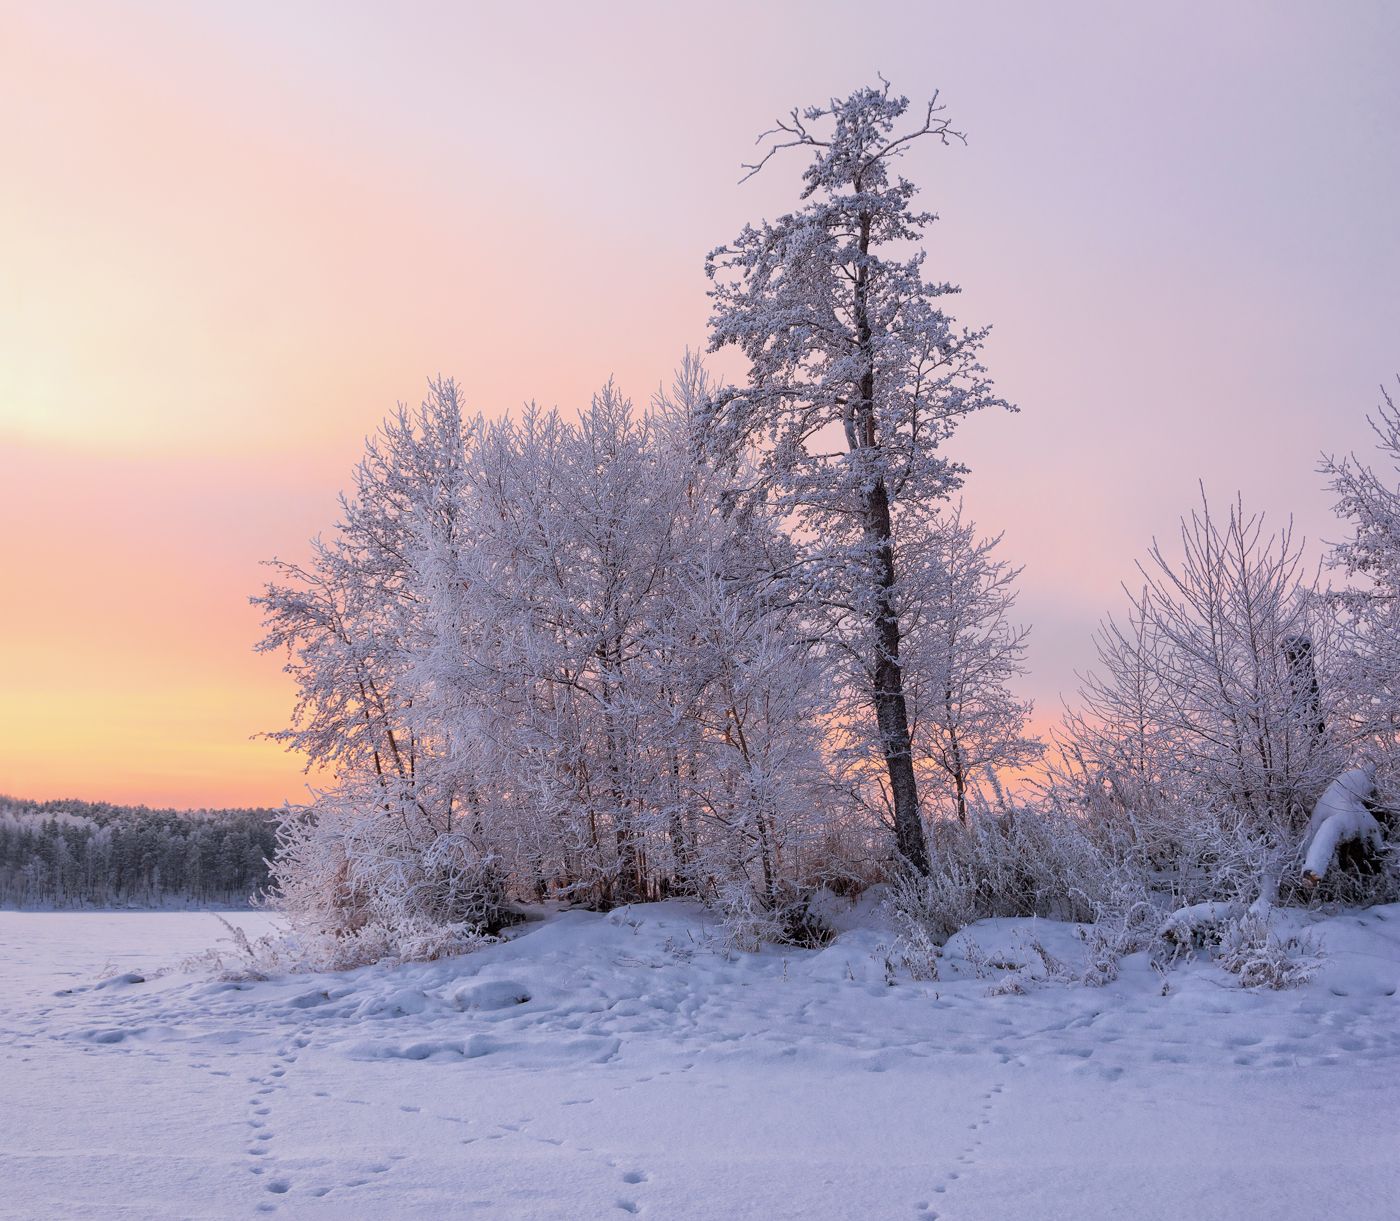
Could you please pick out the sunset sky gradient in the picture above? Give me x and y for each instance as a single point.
(232, 236)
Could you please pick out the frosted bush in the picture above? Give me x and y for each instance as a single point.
(1023, 862)
(916, 945)
(357, 885)
(1251, 950)
(745, 922)
(239, 957)
(789, 919)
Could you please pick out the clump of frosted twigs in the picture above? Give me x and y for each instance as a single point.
(1252, 951)
(359, 884)
(789, 918)
(240, 957)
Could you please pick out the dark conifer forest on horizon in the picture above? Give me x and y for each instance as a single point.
(74, 854)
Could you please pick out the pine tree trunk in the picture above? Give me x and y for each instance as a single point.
(891, 710)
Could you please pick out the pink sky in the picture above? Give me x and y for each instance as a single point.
(231, 237)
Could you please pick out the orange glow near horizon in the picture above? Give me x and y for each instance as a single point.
(233, 237)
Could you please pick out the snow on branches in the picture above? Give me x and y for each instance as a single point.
(725, 645)
(857, 378)
(543, 656)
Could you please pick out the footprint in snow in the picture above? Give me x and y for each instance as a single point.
(261, 1138)
(965, 1158)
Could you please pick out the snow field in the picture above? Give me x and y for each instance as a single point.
(607, 1065)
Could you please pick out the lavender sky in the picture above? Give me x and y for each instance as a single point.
(233, 235)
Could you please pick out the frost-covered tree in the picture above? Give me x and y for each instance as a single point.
(762, 704)
(384, 847)
(857, 377)
(1211, 723)
(346, 619)
(1369, 501)
(962, 654)
(549, 657)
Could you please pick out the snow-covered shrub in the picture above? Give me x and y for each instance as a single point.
(1035, 860)
(239, 957)
(1123, 924)
(1198, 926)
(1368, 501)
(1214, 720)
(1104, 950)
(1240, 940)
(402, 940)
(358, 884)
(1249, 948)
(803, 923)
(919, 923)
(1027, 861)
(748, 922)
(845, 857)
(1346, 855)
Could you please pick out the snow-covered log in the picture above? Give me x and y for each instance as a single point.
(1340, 817)
(1348, 792)
(1190, 925)
(1347, 826)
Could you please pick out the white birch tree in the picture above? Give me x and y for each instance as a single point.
(962, 655)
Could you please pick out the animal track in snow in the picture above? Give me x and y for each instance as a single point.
(965, 1158)
(262, 1136)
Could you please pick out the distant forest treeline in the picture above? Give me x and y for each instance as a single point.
(95, 854)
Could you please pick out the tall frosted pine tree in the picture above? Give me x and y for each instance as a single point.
(857, 377)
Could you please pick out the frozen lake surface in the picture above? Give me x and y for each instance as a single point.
(601, 1066)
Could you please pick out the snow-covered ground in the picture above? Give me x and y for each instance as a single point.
(598, 1066)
